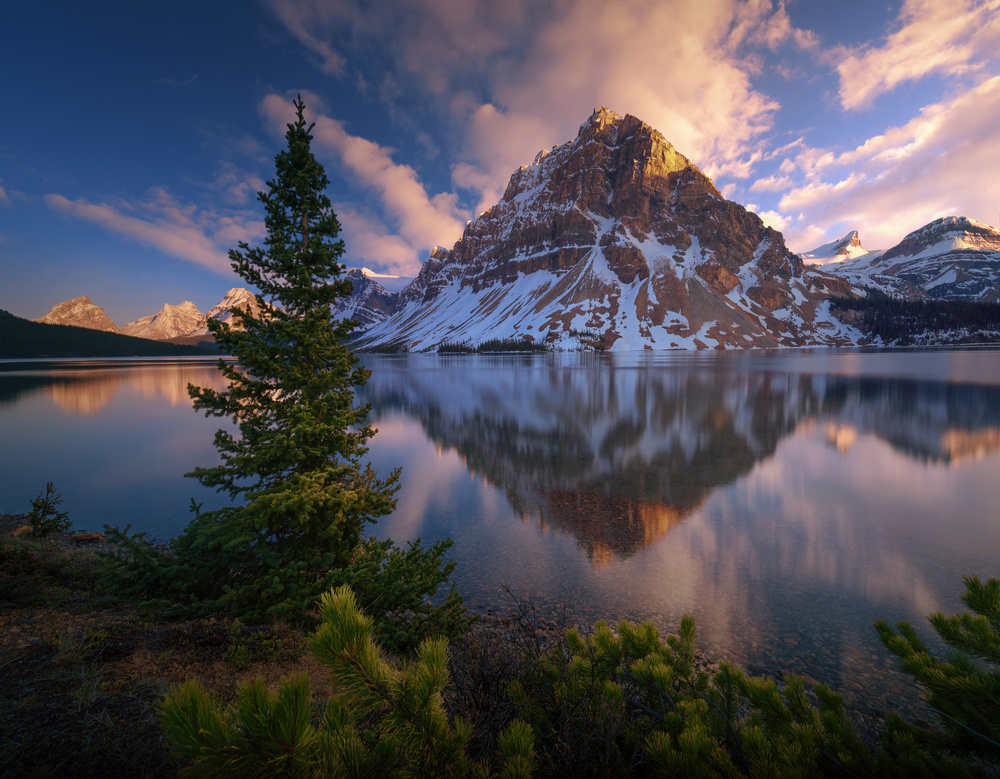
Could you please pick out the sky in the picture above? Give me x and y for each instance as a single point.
(134, 136)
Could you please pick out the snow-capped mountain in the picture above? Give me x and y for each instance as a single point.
(237, 297)
(615, 237)
(390, 282)
(954, 258)
(368, 304)
(169, 322)
(79, 312)
(846, 249)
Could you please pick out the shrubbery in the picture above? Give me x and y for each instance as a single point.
(614, 703)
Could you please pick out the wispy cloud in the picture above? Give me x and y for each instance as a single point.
(4, 197)
(181, 230)
(518, 76)
(302, 19)
(946, 37)
(909, 175)
(418, 220)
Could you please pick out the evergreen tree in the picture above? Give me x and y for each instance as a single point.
(296, 461)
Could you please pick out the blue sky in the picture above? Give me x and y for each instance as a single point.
(133, 136)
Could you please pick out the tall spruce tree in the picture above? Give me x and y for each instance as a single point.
(296, 463)
(297, 458)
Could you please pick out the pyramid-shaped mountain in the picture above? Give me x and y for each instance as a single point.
(616, 239)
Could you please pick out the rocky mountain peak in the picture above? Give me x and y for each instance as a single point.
(369, 302)
(79, 312)
(169, 322)
(952, 258)
(956, 232)
(852, 239)
(616, 233)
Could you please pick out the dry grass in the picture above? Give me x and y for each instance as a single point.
(79, 685)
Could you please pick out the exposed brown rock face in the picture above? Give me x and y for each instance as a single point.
(619, 233)
(79, 312)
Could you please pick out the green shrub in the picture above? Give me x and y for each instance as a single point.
(45, 517)
(388, 719)
(965, 688)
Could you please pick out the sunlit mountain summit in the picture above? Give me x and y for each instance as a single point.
(616, 237)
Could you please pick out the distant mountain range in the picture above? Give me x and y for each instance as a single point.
(954, 258)
(615, 240)
(171, 322)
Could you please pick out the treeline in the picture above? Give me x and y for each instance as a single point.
(24, 339)
(492, 345)
(898, 321)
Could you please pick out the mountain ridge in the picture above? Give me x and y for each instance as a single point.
(616, 233)
(951, 258)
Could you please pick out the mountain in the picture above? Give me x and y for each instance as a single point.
(846, 249)
(79, 312)
(369, 302)
(22, 338)
(169, 322)
(617, 239)
(223, 310)
(389, 281)
(954, 258)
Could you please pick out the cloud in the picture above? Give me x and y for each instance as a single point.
(895, 182)
(301, 19)
(4, 197)
(774, 219)
(369, 242)
(419, 220)
(516, 77)
(178, 229)
(947, 37)
(771, 184)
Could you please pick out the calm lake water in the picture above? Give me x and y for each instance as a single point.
(785, 499)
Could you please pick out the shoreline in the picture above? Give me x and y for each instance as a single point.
(547, 622)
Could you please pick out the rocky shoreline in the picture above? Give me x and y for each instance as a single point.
(542, 626)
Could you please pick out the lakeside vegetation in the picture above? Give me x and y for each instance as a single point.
(23, 339)
(92, 685)
(901, 322)
(492, 346)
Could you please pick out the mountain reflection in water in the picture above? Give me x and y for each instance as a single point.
(619, 456)
(785, 500)
(87, 387)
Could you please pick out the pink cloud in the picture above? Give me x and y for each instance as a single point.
(519, 76)
(178, 229)
(370, 243)
(948, 37)
(907, 176)
(420, 221)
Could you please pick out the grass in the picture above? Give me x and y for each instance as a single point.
(79, 685)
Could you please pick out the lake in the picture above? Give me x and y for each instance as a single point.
(786, 499)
